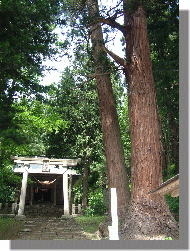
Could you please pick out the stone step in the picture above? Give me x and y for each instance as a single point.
(29, 226)
(51, 229)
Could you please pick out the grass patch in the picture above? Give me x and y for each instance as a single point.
(168, 238)
(9, 228)
(90, 224)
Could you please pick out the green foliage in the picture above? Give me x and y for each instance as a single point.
(8, 184)
(125, 132)
(9, 228)
(26, 38)
(77, 192)
(96, 204)
(168, 238)
(35, 116)
(164, 42)
(6, 193)
(90, 224)
(27, 135)
(173, 203)
(169, 172)
(76, 100)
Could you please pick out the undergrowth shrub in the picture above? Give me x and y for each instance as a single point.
(173, 203)
(96, 204)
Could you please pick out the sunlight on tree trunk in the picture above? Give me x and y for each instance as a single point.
(148, 214)
(111, 133)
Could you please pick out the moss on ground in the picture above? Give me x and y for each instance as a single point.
(90, 224)
(9, 228)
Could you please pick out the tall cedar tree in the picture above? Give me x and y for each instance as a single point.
(148, 215)
(110, 127)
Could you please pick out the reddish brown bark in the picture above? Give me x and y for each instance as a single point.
(145, 131)
(148, 214)
(110, 127)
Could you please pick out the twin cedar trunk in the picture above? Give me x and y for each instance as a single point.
(111, 133)
(145, 132)
(148, 215)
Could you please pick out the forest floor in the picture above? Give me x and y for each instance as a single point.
(52, 228)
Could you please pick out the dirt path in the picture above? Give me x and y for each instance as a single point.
(52, 229)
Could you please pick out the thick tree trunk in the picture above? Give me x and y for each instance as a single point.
(111, 133)
(144, 123)
(148, 215)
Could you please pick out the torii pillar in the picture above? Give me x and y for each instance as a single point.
(65, 194)
(23, 193)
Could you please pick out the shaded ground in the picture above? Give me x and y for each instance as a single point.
(9, 227)
(52, 228)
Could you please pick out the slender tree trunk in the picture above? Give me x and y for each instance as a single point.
(174, 140)
(165, 152)
(148, 214)
(85, 187)
(111, 133)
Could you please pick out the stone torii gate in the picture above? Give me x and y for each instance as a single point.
(43, 165)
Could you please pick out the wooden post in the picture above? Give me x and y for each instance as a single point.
(23, 193)
(113, 230)
(31, 194)
(70, 193)
(54, 194)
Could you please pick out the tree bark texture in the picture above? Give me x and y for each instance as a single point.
(145, 131)
(148, 213)
(85, 188)
(110, 126)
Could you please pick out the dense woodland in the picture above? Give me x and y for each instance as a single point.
(119, 115)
